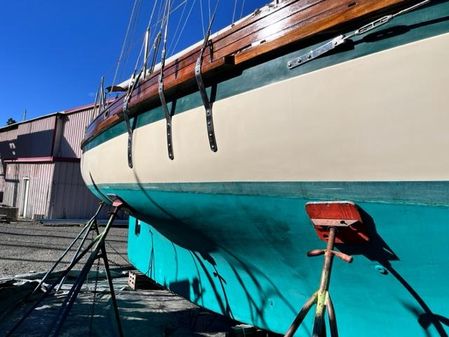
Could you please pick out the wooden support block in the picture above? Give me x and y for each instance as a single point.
(137, 280)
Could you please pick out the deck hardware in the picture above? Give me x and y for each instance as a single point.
(100, 99)
(314, 53)
(202, 88)
(336, 41)
(96, 249)
(156, 44)
(330, 219)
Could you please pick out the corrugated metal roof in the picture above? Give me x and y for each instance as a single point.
(63, 112)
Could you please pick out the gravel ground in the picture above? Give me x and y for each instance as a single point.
(29, 247)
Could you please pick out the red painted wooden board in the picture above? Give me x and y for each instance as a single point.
(341, 214)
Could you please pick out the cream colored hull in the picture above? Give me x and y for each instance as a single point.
(382, 117)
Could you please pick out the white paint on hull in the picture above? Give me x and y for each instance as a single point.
(382, 117)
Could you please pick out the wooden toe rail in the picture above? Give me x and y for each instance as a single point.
(265, 31)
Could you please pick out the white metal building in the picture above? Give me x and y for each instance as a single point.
(40, 171)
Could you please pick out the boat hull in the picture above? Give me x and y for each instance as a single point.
(374, 118)
(251, 265)
(228, 228)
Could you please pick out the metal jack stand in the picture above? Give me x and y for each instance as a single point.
(98, 251)
(334, 222)
(90, 225)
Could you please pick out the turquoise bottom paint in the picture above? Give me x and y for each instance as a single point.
(241, 253)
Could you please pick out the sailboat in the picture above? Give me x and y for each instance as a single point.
(241, 156)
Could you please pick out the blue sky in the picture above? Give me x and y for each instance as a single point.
(53, 53)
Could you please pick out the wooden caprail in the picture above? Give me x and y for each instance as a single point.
(265, 31)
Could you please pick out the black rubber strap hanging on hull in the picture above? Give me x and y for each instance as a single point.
(207, 104)
(168, 117)
(130, 132)
(129, 127)
(202, 89)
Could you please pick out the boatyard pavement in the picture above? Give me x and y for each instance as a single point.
(31, 247)
(27, 249)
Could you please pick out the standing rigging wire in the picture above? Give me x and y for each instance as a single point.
(152, 12)
(132, 19)
(179, 24)
(175, 44)
(162, 15)
(211, 21)
(167, 113)
(208, 6)
(157, 39)
(132, 41)
(151, 20)
(233, 12)
(171, 12)
(202, 17)
(143, 44)
(164, 27)
(243, 6)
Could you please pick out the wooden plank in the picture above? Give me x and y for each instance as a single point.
(263, 32)
(319, 24)
(139, 281)
(148, 94)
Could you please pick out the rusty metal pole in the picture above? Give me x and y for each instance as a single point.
(319, 327)
(321, 297)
